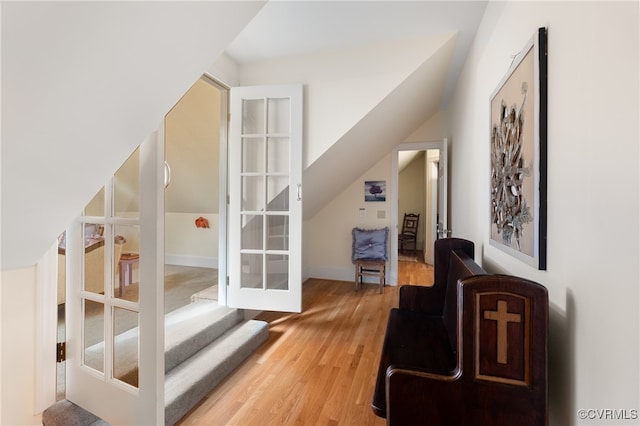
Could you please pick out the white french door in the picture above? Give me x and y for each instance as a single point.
(265, 200)
(115, 331)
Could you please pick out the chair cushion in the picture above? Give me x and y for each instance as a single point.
(369, 244)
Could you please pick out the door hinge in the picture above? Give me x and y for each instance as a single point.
(61, 352)
(227, 280)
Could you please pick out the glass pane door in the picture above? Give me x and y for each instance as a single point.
(265, 202)
(114, 312)
(109, 302)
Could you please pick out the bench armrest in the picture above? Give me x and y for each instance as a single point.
(419, 397)
(424, 299)
(415, 396)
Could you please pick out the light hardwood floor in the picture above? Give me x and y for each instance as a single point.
(316, 368)
(416, 273)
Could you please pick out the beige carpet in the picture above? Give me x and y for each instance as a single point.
(180, 283)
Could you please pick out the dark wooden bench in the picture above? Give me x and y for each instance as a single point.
(470, 350)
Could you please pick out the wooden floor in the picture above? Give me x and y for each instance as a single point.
(317, 367)
(415, 272)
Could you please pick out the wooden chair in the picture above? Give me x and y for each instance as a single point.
(371, 268)
(409, 231)
(369, 254)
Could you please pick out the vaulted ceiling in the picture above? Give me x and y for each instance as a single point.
(83, 83)
(401, 92)
(293, 28)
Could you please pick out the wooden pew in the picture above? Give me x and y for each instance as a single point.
(481, 361)
(431, 299)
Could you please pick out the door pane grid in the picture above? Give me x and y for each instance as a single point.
(264, 180)
(110, 224)
(257, 273)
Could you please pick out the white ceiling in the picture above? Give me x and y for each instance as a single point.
(287, 28)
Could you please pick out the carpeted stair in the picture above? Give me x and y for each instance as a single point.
(204, 343)
(194, 366)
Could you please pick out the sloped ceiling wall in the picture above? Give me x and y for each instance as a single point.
(359, 104)
(414, 100)
(83, 83)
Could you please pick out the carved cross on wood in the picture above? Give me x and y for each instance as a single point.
(503, 318)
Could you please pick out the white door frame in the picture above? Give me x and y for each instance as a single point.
(393, 227)
(46, 329)
(223, 185)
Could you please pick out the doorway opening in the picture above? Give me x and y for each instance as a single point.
(419, 187)
(195, 130)
(195, 206)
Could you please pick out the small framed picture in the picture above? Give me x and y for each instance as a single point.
(375, 190)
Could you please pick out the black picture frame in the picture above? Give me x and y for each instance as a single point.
(518, 141)
(375, 190)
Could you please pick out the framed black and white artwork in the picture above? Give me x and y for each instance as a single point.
(519, 156)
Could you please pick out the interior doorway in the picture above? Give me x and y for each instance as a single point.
(418, 186)
(195, 163)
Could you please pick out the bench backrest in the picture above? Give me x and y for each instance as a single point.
(461, 265)
(504, 328)
(442, 256)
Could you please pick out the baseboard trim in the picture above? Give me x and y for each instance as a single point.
(339, 274)
(195, 261)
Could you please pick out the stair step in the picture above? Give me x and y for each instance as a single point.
(187, 330)
(189, 382)
(204, 343)
(194, 326)
(66, 413)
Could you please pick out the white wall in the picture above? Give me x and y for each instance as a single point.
(188, 245)
(17, 331)
(225, 71)
(435, 128)
(593, 187)
(327, 238)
